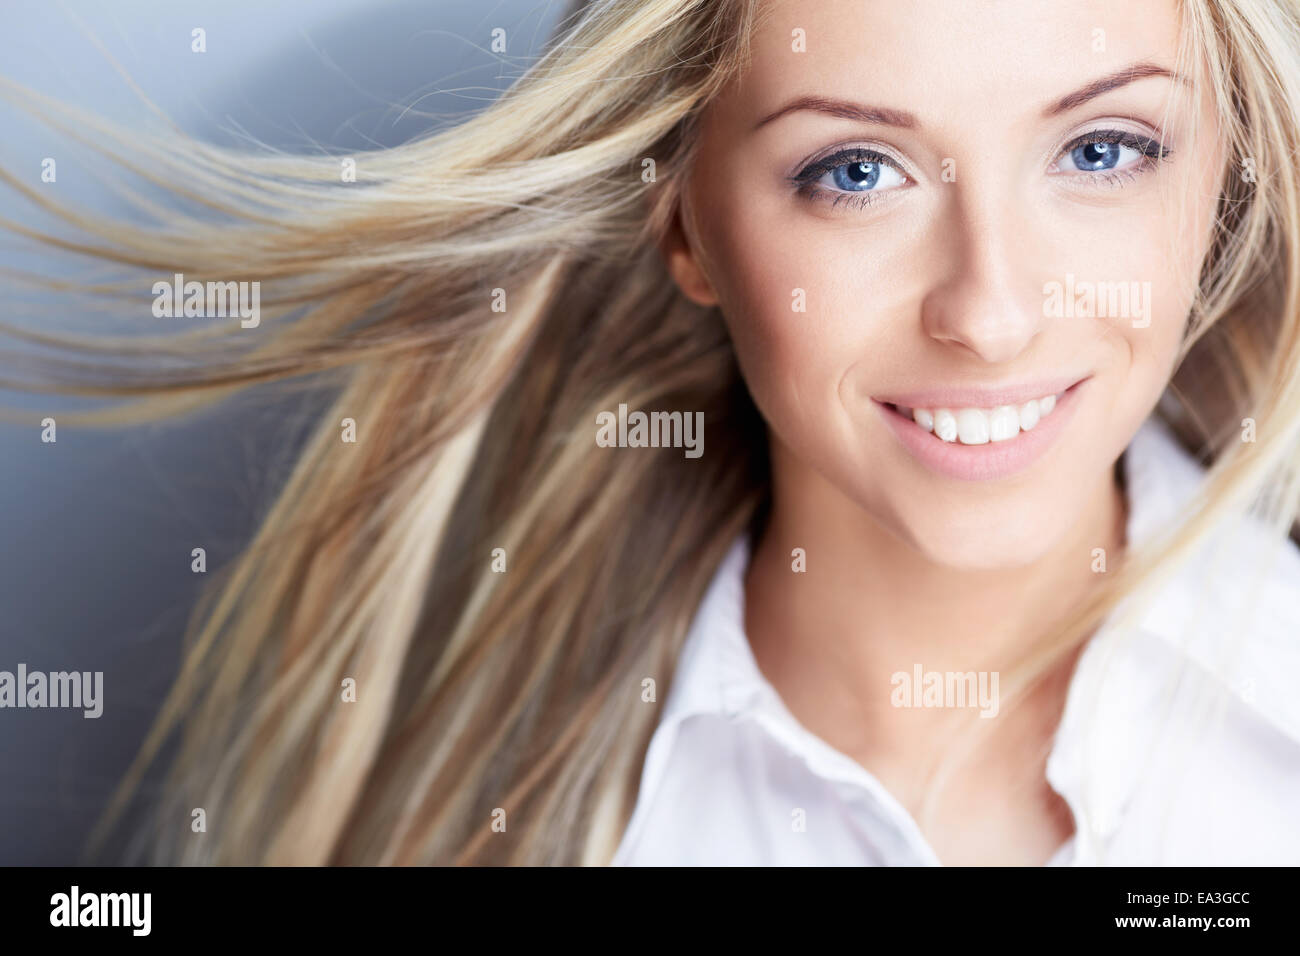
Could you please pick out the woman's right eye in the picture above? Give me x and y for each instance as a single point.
(855, 171)
(864, 176)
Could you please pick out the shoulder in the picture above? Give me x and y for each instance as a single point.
(1217, 657)
(1218, 776)
(1230, 605)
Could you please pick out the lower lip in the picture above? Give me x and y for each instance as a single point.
(992, 460)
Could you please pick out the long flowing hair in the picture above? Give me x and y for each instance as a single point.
(500, 593)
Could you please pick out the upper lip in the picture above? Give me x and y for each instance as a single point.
(963, 396)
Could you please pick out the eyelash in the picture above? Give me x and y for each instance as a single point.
(805, 181)
(1151, 151)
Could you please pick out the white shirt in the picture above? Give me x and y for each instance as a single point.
(729, 767)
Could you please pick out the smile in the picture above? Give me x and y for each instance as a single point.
(985, 434)
(979, 426)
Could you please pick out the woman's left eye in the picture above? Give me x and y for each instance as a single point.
(1107, 151)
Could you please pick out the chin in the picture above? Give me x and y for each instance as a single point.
(992, 538)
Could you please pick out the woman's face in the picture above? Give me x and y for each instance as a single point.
(905, 205)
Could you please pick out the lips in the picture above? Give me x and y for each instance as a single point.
(957, 396)
(977, 426)
(982, 434)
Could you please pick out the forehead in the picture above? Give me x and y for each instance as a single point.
(947, 61)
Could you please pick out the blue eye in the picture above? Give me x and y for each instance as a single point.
(851, 171)
(856, 176)
(1096, 156)
(1109, 151)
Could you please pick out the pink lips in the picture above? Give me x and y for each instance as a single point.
(958, 397)
(981, 462)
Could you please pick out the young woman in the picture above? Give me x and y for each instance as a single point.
(991, 316)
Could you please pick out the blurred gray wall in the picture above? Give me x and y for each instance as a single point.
(97, 528)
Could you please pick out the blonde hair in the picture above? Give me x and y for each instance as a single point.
(521, 691)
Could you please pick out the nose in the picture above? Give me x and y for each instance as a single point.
(982, 299)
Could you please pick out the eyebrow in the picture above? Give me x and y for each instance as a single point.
(1107, 83)
(881, 116)
(845, 110)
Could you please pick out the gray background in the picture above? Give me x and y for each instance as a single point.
(97, 528)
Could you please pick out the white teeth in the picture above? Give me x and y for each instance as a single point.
(979, 426)
(945, 425)
(1004, 423)
(972, 426)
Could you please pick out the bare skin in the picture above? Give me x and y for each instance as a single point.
(938, 280)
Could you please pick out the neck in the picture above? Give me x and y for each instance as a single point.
(871, 605)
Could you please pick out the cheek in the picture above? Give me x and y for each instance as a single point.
(1154, 247)
(803, 304)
